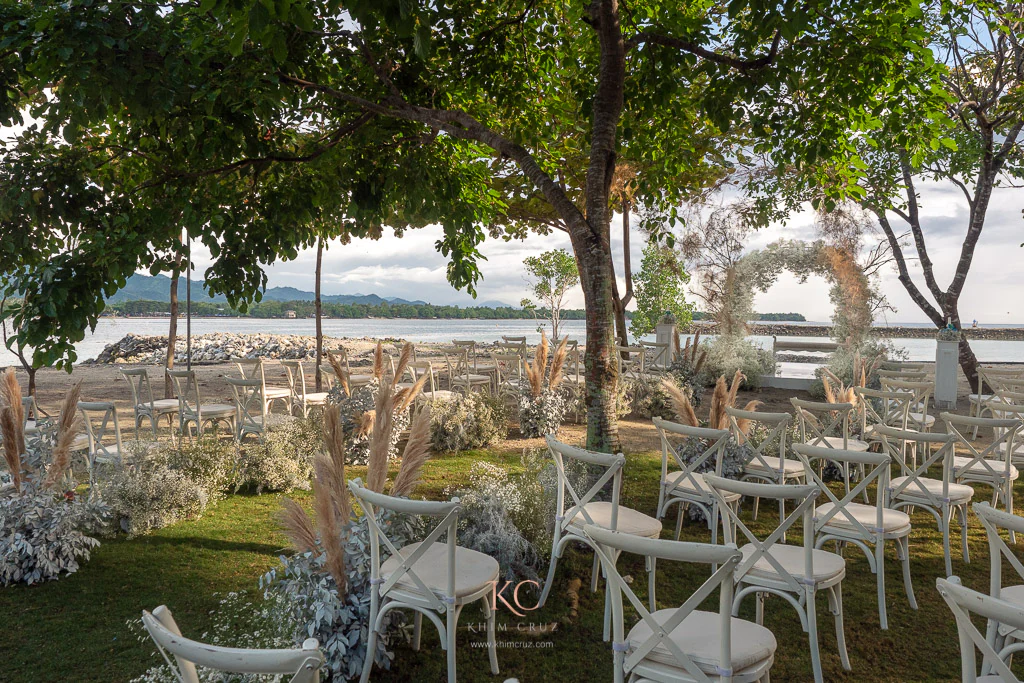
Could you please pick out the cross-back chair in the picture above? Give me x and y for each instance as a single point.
(869, 526)
(826, 424)
(683, 643)
(146, 408)
(793, 572)
(914, 488)
(433, 578)
(508, 374)
(192, 410)
(994, 521)
(993, 464)
(415, 370)
(878, 407)
(250, 408)
(966, 603)
(762, 466)
(686, 486)
(302, 398)
(583, 507)
(460, 373)
(994, 379)
(183, 655)
(656, 355)
(255, 368)
(918, 417)
(103, 432)
(904, 374)
(630, 360)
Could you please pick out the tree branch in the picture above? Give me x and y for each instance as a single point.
(904, 274)
(738, 63)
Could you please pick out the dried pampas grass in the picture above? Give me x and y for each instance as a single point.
(536, 370)
(717, 418)
(383, 423)
(406, 397)
(68, 426)
(11, 453)
(558, 364)
(339, 372)
(417, 452)
(10, 392)
(328, 523)
(681, 403)
(297, 526)
(378, 361)
(403, 362)
(743, 424)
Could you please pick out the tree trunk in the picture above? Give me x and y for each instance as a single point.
(319, 311)
(627, 272)
(31, 380)
(172, 335)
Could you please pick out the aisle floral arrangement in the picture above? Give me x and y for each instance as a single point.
(542, 406)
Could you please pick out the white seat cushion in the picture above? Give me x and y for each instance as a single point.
(680, 482)
(698, 637)
(473, 379)
(316, 397)
(474, 570)
(958, 493)
(629, 521)
(960, 462)
(216, 410)
(1014, 594)
(893, 521)
(921, 418)
(80, 443)
(165, 404)
(852, 444)
(1019, 450)
(789, 466)
(826, 565)
(358, 380)
(979, 397)
(276, 392)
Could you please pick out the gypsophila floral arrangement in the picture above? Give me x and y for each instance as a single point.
(151, 496)
(463, 422)
(542, 406)
(283, 459)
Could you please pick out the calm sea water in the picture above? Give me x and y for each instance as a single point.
(110, 330)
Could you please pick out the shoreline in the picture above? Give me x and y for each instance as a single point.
(891, 331)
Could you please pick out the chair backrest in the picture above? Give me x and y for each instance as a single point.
(138, 381)
(964, 603)
(327, 378)
(250, 368)
(513, 340)
(717, 439)
(775, 440)
(456, 360)
(911, 375)
(296, 378)
(818, 420)
(630, 359)
(612, 465)
(804, 497)
(994, 520)
(250, 408)
(995, 460)
(417, 368)
(187, 387)
(876, 471)
(448, 512)
(932, 448)
(995, 377)
(101, 426)
(888, 408)
(512, 347)
(656, 354)
(609, 544)
(509, 370)
(921, 392)
(303, 663)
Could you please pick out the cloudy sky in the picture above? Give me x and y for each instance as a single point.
(412, 269)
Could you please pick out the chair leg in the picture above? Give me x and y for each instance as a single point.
(680, 511)
(453, 619)
(963, 534)
(947, 520)
(759, 608)
(595, 573)
(903, 549)
(551, 572)
(417, 626)
(371, 641)
(835, 598)
(812, 636)
(1009, 508)
(492, 644)
(757, 504)
(880, 581)
(651, 567)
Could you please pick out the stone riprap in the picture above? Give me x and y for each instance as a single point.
(216, 347)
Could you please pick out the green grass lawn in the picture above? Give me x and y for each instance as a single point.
(75, 629)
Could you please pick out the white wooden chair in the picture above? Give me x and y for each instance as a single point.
(656, 355)
(192, 410)
(184, 655)
(254, 368)
(771, 469)
(965, 603)
(1008, 405)
(994, 521)
(921, 392)
(104, 437)
(251, 416)
(867, 526)
(792, 572)
(630, 360)
(913, 488)
(146, 408)
(302, 399)
(434, 579)
(460, 376)
(469, 346)
(415, 370)
(826, 424)
(682, 643)
(905, 374)
(686, 486)
(355, 379)
(993, 465)
(583, 508)
(994, 379)
(877, 407)
(508, 374)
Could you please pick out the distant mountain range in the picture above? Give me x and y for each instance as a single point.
(158, 288)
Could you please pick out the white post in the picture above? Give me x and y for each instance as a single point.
(665, 333)
(946, 365)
